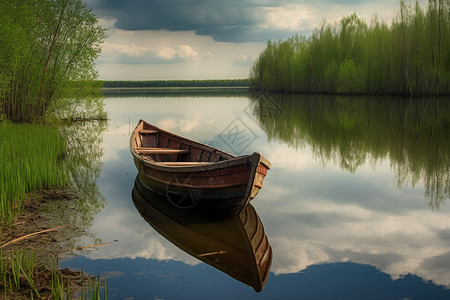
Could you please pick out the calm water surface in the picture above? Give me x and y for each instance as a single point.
(355, 205)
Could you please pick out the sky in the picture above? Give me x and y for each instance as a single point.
(209, 39)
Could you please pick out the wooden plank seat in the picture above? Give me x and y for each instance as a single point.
(145, 132)
(162, 151)
(183, 163)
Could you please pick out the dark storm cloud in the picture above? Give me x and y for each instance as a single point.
(225, 21)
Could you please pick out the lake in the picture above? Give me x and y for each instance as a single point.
(355, 205)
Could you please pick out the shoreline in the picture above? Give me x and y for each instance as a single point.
(39, 238)
(35, 228)
(178, 88)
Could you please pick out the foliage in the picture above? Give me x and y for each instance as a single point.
(410, 57)
(349, 77)
(47, 52)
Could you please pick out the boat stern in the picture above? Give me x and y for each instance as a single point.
(262, 166)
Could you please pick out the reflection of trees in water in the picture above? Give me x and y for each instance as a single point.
(83, 161)
(413, 133)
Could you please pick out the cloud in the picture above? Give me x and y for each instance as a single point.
(136, 54)
(180, 52)
(244, 60)
(151, 54)
(292, 17)
(225, 21)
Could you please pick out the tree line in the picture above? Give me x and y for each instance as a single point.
(47, 53)
(409, 57)
(177, 83)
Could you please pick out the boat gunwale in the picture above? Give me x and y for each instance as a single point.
(241, 160)
(182, 138)
(232, 161)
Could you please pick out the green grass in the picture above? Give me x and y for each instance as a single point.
(16, 271)
(92, 289)
(19, 271)
(30, 159)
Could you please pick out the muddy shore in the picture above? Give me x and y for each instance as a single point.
(44, 229)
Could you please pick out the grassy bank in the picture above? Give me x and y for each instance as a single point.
(30, 159)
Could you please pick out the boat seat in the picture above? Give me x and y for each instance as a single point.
(183, 163)
(145, 131)
(162, 151)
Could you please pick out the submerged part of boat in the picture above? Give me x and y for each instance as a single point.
(235, 245)
(189, 173)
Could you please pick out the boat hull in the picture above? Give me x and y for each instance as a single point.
(229, 183)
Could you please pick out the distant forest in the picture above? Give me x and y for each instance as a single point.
(409, 57)
(177, 83)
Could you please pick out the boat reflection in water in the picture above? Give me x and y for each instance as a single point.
(233, 244)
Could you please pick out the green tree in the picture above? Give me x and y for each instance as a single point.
(409, 57)
(349, 79)
(47, 53)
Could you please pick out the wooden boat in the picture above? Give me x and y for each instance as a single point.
(234, 244)
(190, 173)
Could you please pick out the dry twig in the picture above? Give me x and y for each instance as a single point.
(31, 235)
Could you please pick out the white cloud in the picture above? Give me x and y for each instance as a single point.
(181, 51)
(132, 49)
(187, 51)
(147, 55)
(127, 52)
(291, 17)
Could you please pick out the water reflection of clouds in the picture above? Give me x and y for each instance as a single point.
(116, 137)
(323, 231)
(183, 125)
(288, 159)
(135, 238)
(387, 242)
(312, 213)
(203, 119)
(120, 220)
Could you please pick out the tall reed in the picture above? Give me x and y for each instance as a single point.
(30, 159)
